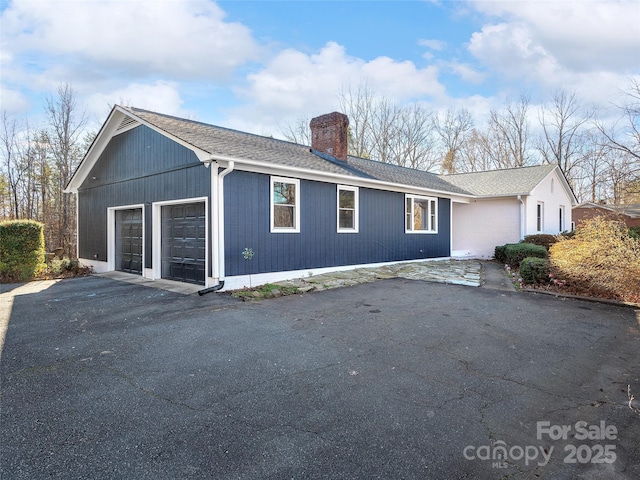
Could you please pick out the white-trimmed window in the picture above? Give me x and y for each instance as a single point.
(347, 209)
(421, 214)
(540, 216)
(285, 205)
(561, 219)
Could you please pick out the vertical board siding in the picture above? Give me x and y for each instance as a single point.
(139, 166)
(381, 236)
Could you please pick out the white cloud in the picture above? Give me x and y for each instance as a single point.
(13, 101)
(174, 39)
(581, 35)
(437, 45)
(590, 47)
(294, 82)
(466, 72)
(160, 96)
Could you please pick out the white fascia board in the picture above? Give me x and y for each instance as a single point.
(97, 147)
(329, 177)
(107, 132)
(566, 186)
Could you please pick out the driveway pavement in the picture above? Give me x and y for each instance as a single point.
(392, 379)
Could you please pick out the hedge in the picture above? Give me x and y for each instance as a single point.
(513, 253)
(21, 249)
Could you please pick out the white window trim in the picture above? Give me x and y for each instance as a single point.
(540, 206)
(296, 228)
(356, 208)
(429, 200)
(563, 219)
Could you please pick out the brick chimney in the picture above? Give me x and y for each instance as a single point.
(329, 134)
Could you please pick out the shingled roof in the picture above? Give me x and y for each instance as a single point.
(507, 182)
(232, 143)
(227, 143)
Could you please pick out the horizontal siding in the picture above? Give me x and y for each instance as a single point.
(381, 236)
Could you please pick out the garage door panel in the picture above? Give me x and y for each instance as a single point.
(184, 242)
(128, 231)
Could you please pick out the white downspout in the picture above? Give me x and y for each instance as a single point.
(220, 202)
(217, 214)
(217, 224)
(522, 217)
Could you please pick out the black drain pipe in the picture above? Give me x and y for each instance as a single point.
(215, 288)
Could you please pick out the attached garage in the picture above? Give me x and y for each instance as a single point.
(183, 242)
(128, 240)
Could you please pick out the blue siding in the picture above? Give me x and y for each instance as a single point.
(137, 167)
(381, 236)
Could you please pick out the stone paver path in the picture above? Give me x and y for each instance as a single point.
(459, 272)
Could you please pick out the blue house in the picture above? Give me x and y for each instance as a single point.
(171, 198)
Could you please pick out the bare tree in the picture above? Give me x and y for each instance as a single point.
(627, 140)
(510, 129)
(623, 137)
(13, 171)
(477, 153)
(298, 132)
(359, 106)
(452, 127)
(563, 123)
(66, 125)
(417, 147)
(385, 131)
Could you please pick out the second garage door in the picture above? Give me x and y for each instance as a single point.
(184, 242)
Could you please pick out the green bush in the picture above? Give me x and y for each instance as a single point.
(21, 249)
(513, 253)
(634, 232)
(501, 253)
(534, 270)
(543, 239)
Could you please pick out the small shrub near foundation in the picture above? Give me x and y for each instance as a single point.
(542, 239)
(534, 270)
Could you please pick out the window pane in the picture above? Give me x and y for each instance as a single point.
(284, 193)
(283, 216)
(432, 218)
(346, 219)
(419, 214)
(347, 199)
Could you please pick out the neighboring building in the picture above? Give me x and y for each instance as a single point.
(629, 214)
(171, 198)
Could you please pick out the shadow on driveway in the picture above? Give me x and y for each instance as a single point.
(392, 379)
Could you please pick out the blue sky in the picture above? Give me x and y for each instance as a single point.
(258, 65)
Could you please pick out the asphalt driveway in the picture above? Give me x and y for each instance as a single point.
(392, 379)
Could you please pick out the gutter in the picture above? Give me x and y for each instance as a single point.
(217, 219)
